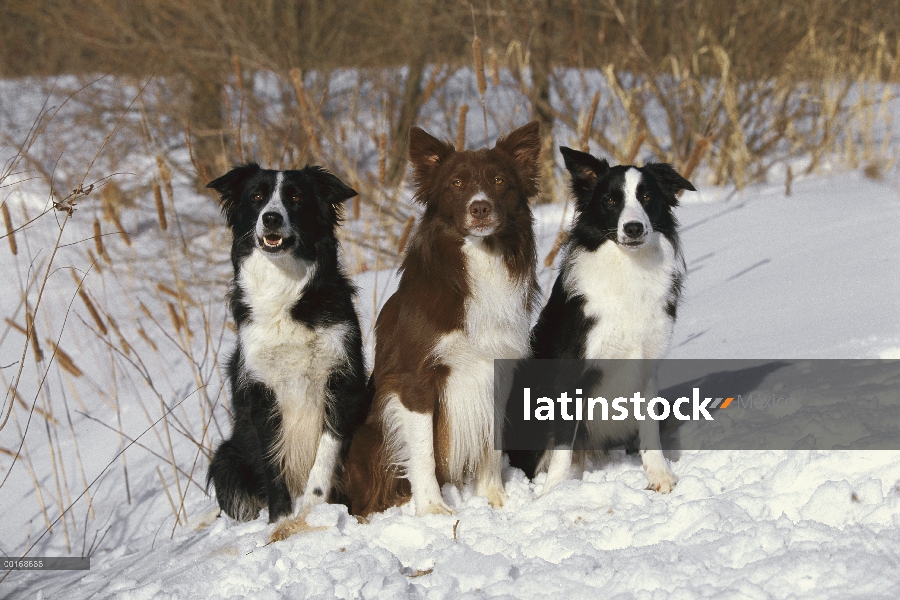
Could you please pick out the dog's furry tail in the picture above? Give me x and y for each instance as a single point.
(240, 490)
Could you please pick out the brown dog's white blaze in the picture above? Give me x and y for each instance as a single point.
(465, 297)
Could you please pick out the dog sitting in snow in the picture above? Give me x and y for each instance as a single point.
(296, 376)
(464, 298)
(616, 297)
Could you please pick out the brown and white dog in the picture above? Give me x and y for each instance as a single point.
(465, 297)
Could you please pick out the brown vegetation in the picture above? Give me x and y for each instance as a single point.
(725, 90)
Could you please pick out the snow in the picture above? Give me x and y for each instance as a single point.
(812, 275)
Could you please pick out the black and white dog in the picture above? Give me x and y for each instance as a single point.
(616, 297)
(297, 377)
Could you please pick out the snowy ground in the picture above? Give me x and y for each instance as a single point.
(812, 275)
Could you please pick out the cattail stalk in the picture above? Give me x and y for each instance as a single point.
(120, 228)
(495, 67)
(184, 296)
(165, 174)
(482, 82)
(29, 328)
(147, 339)
(461, 127)
(238, 72)
(123, 343)
(430, 87)
(636, 147)
(92, 310)
(98, 241)
(94, 261)
(407, 229)
(173, 316)
(15, 326)
(160, 207)
(65, 361)
(895, 66)
(694, 159)
(696, 156)
(382, 158)
(589, 122)
(10, 234)
(479, 66)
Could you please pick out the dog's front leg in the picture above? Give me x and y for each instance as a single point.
(417, 435)
(559, 468)
(660, 475)
(561, 456)
(267, 423)
(488, 477)
(321, 476)
(345, 393)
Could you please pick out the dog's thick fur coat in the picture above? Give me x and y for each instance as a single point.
(296, 376)
(616, 297)
(465, 297)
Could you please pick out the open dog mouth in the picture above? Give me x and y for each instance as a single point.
(483, 229)
(274, 242)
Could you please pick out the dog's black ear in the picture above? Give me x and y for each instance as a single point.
(669, 180)
(328, 187)
(585, 168)
(230, 184)
(524, 145)
(426, 153)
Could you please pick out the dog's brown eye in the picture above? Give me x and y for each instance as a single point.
(257, 197)
(498, 180)
(610, 200)
(296, 197)
(645, 198)
(457, 183)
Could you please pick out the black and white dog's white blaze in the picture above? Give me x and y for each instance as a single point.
(616, 297)
(297, 374)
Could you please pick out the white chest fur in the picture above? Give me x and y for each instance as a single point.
(292, 358)
(497, 322)
(626, 292)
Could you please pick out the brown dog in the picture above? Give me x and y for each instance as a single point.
(465, 297)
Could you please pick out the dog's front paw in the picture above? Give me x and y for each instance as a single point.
(289, 526)
(554, 478)
(433, 507)
(662, 481)
(495, 495)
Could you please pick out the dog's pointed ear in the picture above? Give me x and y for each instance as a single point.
(585, 168)
(669, 180)
(524, 145)
(426, 153)
(328, 187)
(230, 184)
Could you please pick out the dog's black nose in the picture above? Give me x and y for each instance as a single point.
(480, 209)
(634, 229)
(272, 220)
